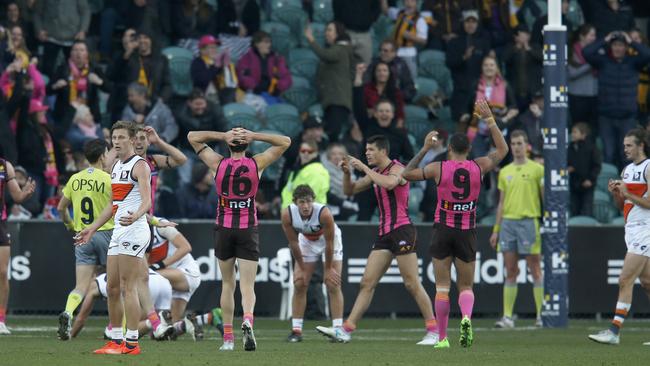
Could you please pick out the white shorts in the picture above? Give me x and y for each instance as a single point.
(314, 250)
(192, 281)
(161, 292)
(130, 240)
(637, 238)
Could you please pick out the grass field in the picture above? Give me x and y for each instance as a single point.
(377, 342)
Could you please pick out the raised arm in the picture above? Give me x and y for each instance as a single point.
(492, 160)
(389, 181)
(331, 276)
(174, 156)
(351, 188)
(279, 144)
(432, 170)
(18, 194)
(199, 140)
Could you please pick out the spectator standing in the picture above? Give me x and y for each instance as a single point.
(610, 16)
(643, 91)
(58, 24)
(142, 110)
(15, 18)
(83, 128)
(15, 46)
(584, 165)
(309, 170)
(357, 17)
(77, 82)
(342, 206)
(398, 69)
(410, 32)
(531, 122)
(334, 76)
(190, 19)
(618, 78)
(262, 71)
(213, 72)
(465, 55)
(447, 20)
(523, 66)
(582, 79)
(198, 198)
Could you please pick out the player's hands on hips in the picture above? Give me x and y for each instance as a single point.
(128, 219)
(332, 278)
(431, 139)
(493, 240)
(83, 236)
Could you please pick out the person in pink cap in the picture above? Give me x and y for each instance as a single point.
(213, 72)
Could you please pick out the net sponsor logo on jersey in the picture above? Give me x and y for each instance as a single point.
(458, 206)
(559, 96)
(559, 180)
(236, 204)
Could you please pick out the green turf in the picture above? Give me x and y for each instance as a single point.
(377, 342)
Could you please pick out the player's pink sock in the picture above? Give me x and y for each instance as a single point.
(154, 319)
(249, 317)
(227, 333)
(109, 326)
(349, 327)
(3, 314)
(466, 302)
(442, 313)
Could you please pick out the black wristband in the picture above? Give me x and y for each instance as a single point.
(200, 151)
(158, 266)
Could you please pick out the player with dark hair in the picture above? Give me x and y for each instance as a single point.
(454, 230)
(236, 236)
(396, 238)
(312, 235)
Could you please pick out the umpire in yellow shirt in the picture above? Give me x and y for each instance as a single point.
(516, 230)
(89, 191)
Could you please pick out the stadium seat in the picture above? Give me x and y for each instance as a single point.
(488, 220)
(602, 196)
(232, 109)
(316, 111)
(425, 87)
(180, 60)
(380, 30)
(280, 109)
(415, 197)
(619, 220)
(305, 68)
(323, 12)
(438, 72)
(286, 124)
(583, 221)
(298, 54)
(414, 111)
(281, 37)
(283, 257)
(294, 17)
(319, 33)
(277, 4)
(302, 98)
(603, 210)
(246, 121)
(431, 56)
(300, 82)
(417, 121)
(607, 172)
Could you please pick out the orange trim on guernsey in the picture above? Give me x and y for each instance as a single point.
(121, 190)
(314, 236)
(159, 253)
(637, 189)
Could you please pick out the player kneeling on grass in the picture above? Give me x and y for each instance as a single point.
(170, 257)
(161, 295)
(312, 235)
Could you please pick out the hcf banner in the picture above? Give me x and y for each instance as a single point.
(556, 180)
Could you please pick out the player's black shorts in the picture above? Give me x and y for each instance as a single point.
(450, 242)
(5, 238)
(399, 241)
(238, 243)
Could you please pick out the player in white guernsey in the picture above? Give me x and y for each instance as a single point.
(631, 195)
(312, 235)
(159, 287)
(130, 182)
(170, 257)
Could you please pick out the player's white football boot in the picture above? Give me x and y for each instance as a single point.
(539, 323)
(605, 337)
(338, 334)
(430, 339)
(505, 323)
(227, 346)
(4, 330)
(249, 337)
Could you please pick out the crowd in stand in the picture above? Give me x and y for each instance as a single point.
(328, 73)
